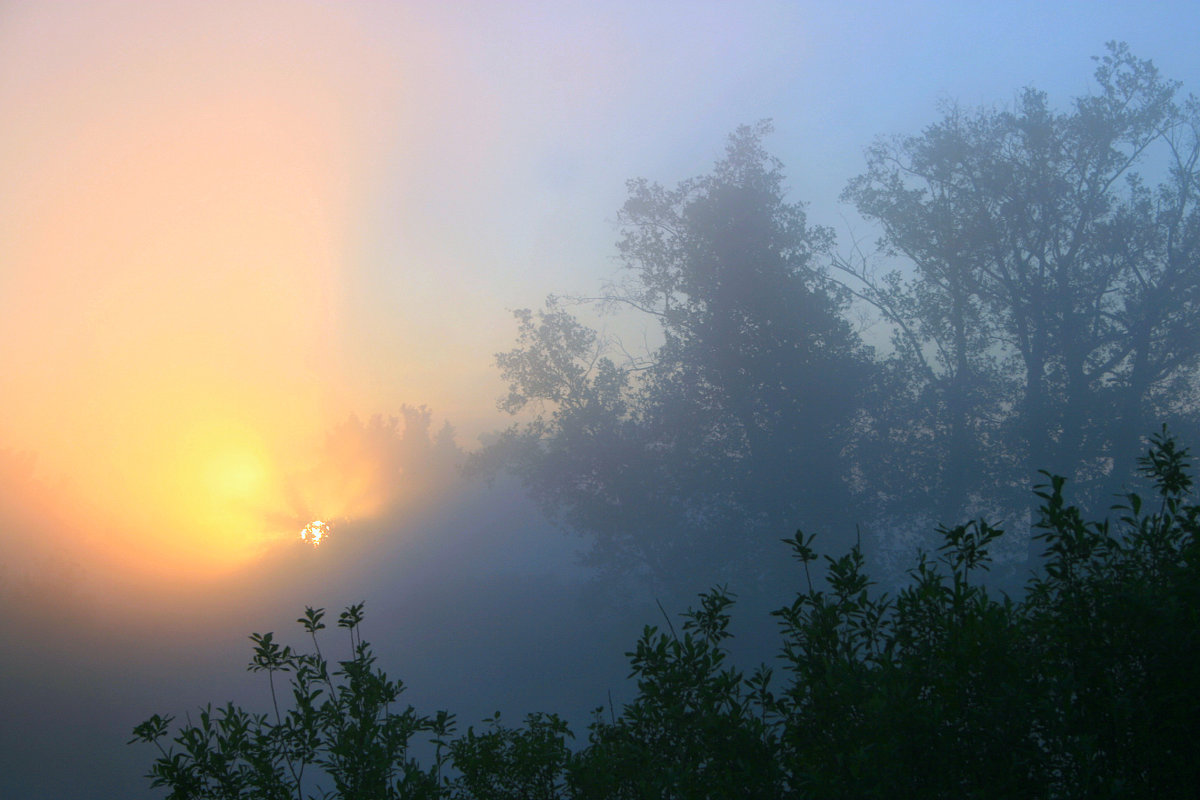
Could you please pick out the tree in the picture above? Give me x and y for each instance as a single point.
(1052, 305)
(737, 423)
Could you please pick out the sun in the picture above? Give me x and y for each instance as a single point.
(315, 532)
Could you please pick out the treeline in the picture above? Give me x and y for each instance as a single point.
(1084, 688)
(1038, 274)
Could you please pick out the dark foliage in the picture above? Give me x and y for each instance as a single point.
(1083, 688)
(679, 461)
(1037, 271)
(1048, 306)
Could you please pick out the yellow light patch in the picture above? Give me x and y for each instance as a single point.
(315, 532)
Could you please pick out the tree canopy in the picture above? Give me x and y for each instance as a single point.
(686, 456)
(1050, 308)
(1038, 269)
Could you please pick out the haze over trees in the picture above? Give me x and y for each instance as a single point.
(1050, 311)
(689, 454)
(1081, 689)
(1038, 275)
(1038, 271)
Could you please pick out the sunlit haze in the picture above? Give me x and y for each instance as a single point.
(181, 194)
(255, 255)
(226, 226)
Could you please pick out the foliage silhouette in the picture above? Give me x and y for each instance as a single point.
(680, 461)
(1042, 306)
(1048, 307)
(1082, 688)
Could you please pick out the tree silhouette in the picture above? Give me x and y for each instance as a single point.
(1052, 305)
(685, 461)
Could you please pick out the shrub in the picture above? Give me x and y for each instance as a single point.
(1083, 688)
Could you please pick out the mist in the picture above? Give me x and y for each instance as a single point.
(556, 318)
(472, 599)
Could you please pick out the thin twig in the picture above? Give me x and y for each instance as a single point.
(667, 618)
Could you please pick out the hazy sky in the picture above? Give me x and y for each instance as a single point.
(224, 227)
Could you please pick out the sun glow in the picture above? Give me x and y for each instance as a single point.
(176, 229)
(315, 532)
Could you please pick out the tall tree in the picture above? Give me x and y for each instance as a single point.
(694, 458)
(1052, 304)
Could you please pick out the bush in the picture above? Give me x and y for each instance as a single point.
(1083, 688)
(344, 729)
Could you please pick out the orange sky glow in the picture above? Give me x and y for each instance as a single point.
(176, 234)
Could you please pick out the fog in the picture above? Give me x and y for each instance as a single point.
(556, 318)
(477, 604)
